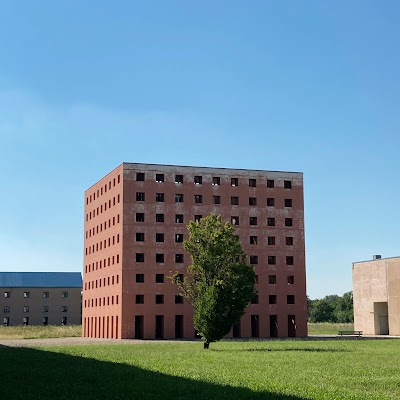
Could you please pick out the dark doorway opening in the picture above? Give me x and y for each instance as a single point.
(139, 325)
(273, 326)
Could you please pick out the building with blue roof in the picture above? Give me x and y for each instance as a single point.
(41, 298)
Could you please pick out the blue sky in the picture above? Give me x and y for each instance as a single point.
(309, 86)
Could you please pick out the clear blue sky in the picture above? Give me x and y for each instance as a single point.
(309, 86)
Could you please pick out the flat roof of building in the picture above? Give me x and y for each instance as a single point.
(377, 259)
(41, 279)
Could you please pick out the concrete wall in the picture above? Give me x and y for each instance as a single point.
(376, 291)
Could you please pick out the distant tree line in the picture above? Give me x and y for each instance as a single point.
(332, 308)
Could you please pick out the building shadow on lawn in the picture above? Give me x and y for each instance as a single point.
(34, 374)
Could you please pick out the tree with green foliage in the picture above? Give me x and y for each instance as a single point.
(219, 283)
(332, 308)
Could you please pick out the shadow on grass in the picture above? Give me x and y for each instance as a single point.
(34, 374)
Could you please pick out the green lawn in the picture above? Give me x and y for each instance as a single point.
(328, 328)
(287, 369)
(39, 332)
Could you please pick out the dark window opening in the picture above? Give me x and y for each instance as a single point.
(270, 202)
(271, 260)
(271, 240)
(159, 278)
(288, 222)
(139, 326)
(273, 326)
(139, 299)
(178, 218)
(272, 279)
(139, 278)
(139, 257)
(252, 201)
(289, 240)
(254, 300)
(159, 237)
(289, 260)
(216, 180)
(252, 182)
(290, 298)
(198, 180)
(159, 257)
(159, 217)
(139, 217)
(159, 299)
(287, 184)
(179, 237)
(139, 237)
(270, 183)
(160, 197)
(139, 196)
(216, 199)
(198, 198)
(178, 299)
(197, 218)
(288, 202)
(179, 198)
(290, 280)
(234, 201)
(159, 178)
(253, 239)
(178, 178)
(253, 220)
(179, 258)
(235, 220)
(234, 181)
(272, 299)
(271, 221)
(139, 176)
(253, 260)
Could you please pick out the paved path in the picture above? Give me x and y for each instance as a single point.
(72, 341)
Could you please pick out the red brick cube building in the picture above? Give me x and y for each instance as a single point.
(135, 225)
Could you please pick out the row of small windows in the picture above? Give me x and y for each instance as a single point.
(102, 263)
(110, 280)
(99, 192)
(27, 295)
(198, 199)
(99, 246)
(101, 301)
(25, 321)
(253, 259)
(26, 309)
(92, 214)
(273, 299)
(160, 278)
(271, 221)
(271, 240)
(216, 180)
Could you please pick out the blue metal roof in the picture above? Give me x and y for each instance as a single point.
(40, 279)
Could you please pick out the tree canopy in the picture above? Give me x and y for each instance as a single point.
(332, 308)
(219, 283)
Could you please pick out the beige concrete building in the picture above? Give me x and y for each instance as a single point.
(41, 298)
(376, 296)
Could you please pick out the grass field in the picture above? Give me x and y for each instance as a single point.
(327, 328)
(295, 370)
(39, 332)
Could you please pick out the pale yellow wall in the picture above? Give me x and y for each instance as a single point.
(376, 281)
(393, 274)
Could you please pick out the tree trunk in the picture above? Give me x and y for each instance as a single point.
(206, 345)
